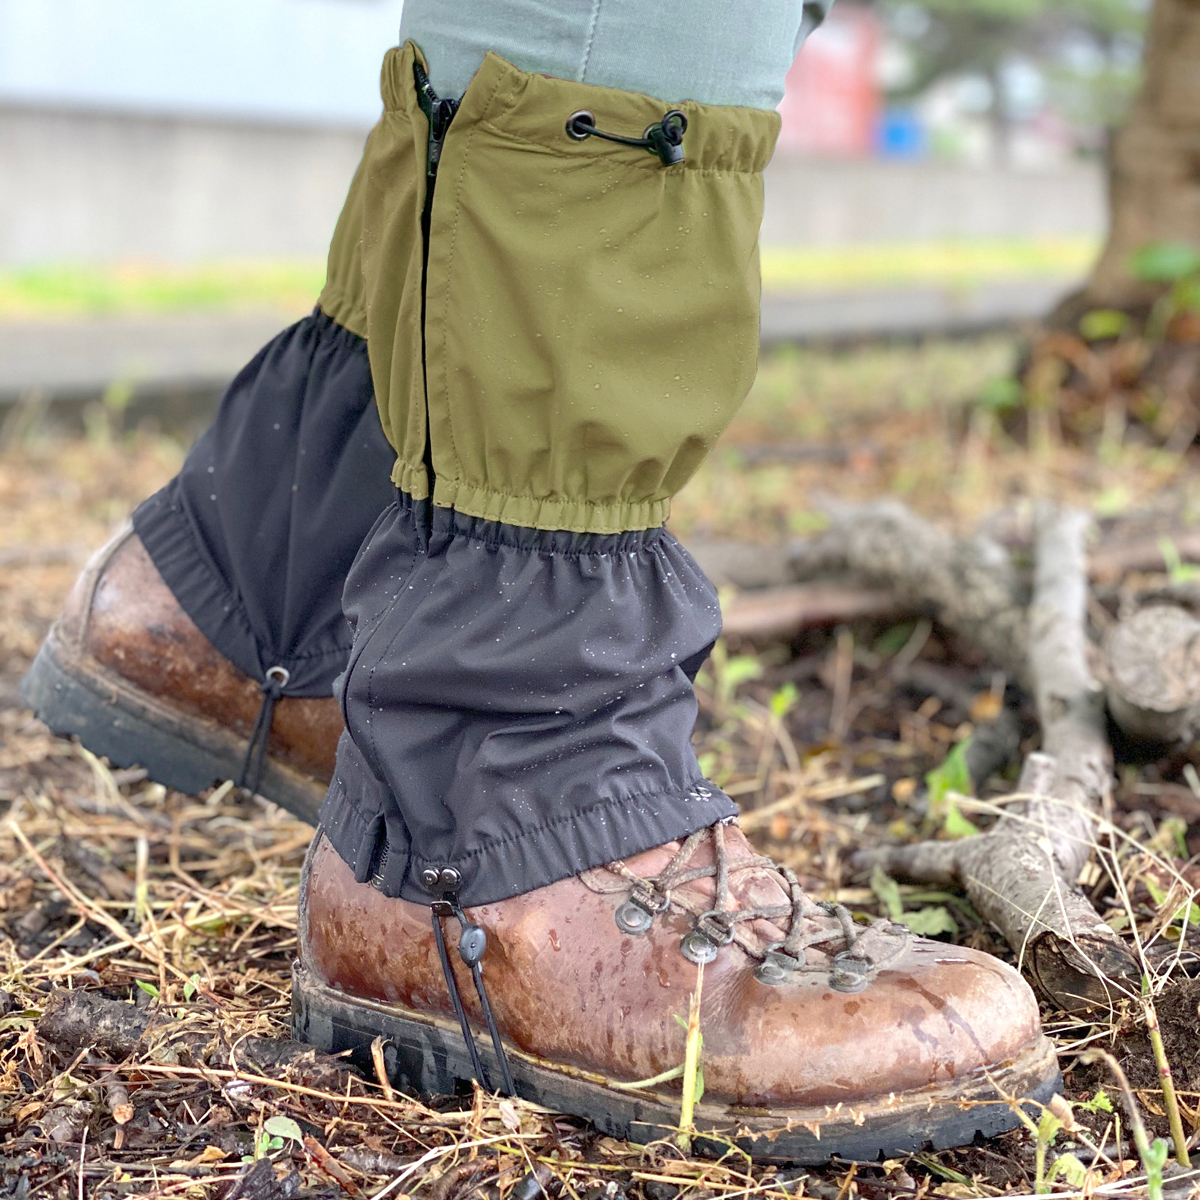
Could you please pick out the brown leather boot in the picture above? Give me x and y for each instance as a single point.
(820, 1037)
(126, 671)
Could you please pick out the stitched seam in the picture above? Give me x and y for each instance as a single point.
(462, 170)
(493, 543)
(604, 504)
(309, 383)
(571, 817)
(587, 50)
(353, 665)
(655, 542)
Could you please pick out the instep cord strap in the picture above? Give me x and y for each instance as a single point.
(252, 765)
(472, 943)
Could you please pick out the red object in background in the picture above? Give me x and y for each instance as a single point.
(832, 99)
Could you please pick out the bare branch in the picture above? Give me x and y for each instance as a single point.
(1021, 875)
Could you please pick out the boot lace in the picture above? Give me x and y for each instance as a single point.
(863, 950)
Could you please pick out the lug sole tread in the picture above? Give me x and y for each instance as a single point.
(426, 1056)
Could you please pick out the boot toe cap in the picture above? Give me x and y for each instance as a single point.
(937, 1015)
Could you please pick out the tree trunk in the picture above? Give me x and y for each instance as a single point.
(1154, 163)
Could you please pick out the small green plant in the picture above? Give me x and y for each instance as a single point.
(274, 1133)
(729, 672)
(1177, 570)
(927, 921)
(1001, 394)
(1098, 1103)
(1102, 324)
(1056, 1116)
(784, 700)
(1175, 266)
(693, 1070)
(944, 783)
(148, 988)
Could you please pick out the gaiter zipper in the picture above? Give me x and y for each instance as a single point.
(439, 113)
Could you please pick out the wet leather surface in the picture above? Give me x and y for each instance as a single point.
(567, 985)
(136, 628)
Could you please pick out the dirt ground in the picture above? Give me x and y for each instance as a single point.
(181, 910)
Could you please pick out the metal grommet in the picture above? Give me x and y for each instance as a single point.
(573, 130)
(849, 973)
(449, 879)
(429, 878)
(776, 967)
(633, 919)
(279, 675)
(697, 947)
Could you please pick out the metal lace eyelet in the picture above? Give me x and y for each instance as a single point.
(708, 935)
(849, 973)
(633, 919)
(279, 675)
(697, 947)
(636, 914)
(578, 123)
(776, 967)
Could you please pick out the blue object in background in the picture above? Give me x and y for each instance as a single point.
(901, 134)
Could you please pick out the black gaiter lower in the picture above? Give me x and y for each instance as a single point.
(519, 701)
(255, 534)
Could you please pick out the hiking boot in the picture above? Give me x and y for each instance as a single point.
(821, 1036)
(126, 671)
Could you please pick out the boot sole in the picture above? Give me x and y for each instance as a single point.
(77, 697)
(426, 1055)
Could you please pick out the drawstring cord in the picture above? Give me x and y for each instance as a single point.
(256, 751)
(664, 138)
(472, 943)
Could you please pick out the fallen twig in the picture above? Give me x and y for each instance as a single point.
(1021, 875)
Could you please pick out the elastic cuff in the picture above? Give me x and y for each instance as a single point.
(531, 512)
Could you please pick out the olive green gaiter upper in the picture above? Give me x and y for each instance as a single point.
(591, 314)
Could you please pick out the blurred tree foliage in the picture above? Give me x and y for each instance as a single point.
(1086, 52)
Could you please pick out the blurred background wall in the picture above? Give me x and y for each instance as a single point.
(189, 130)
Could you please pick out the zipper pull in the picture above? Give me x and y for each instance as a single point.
(439, 123)
(438, 112)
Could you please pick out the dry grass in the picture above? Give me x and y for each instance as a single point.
(183, 909)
